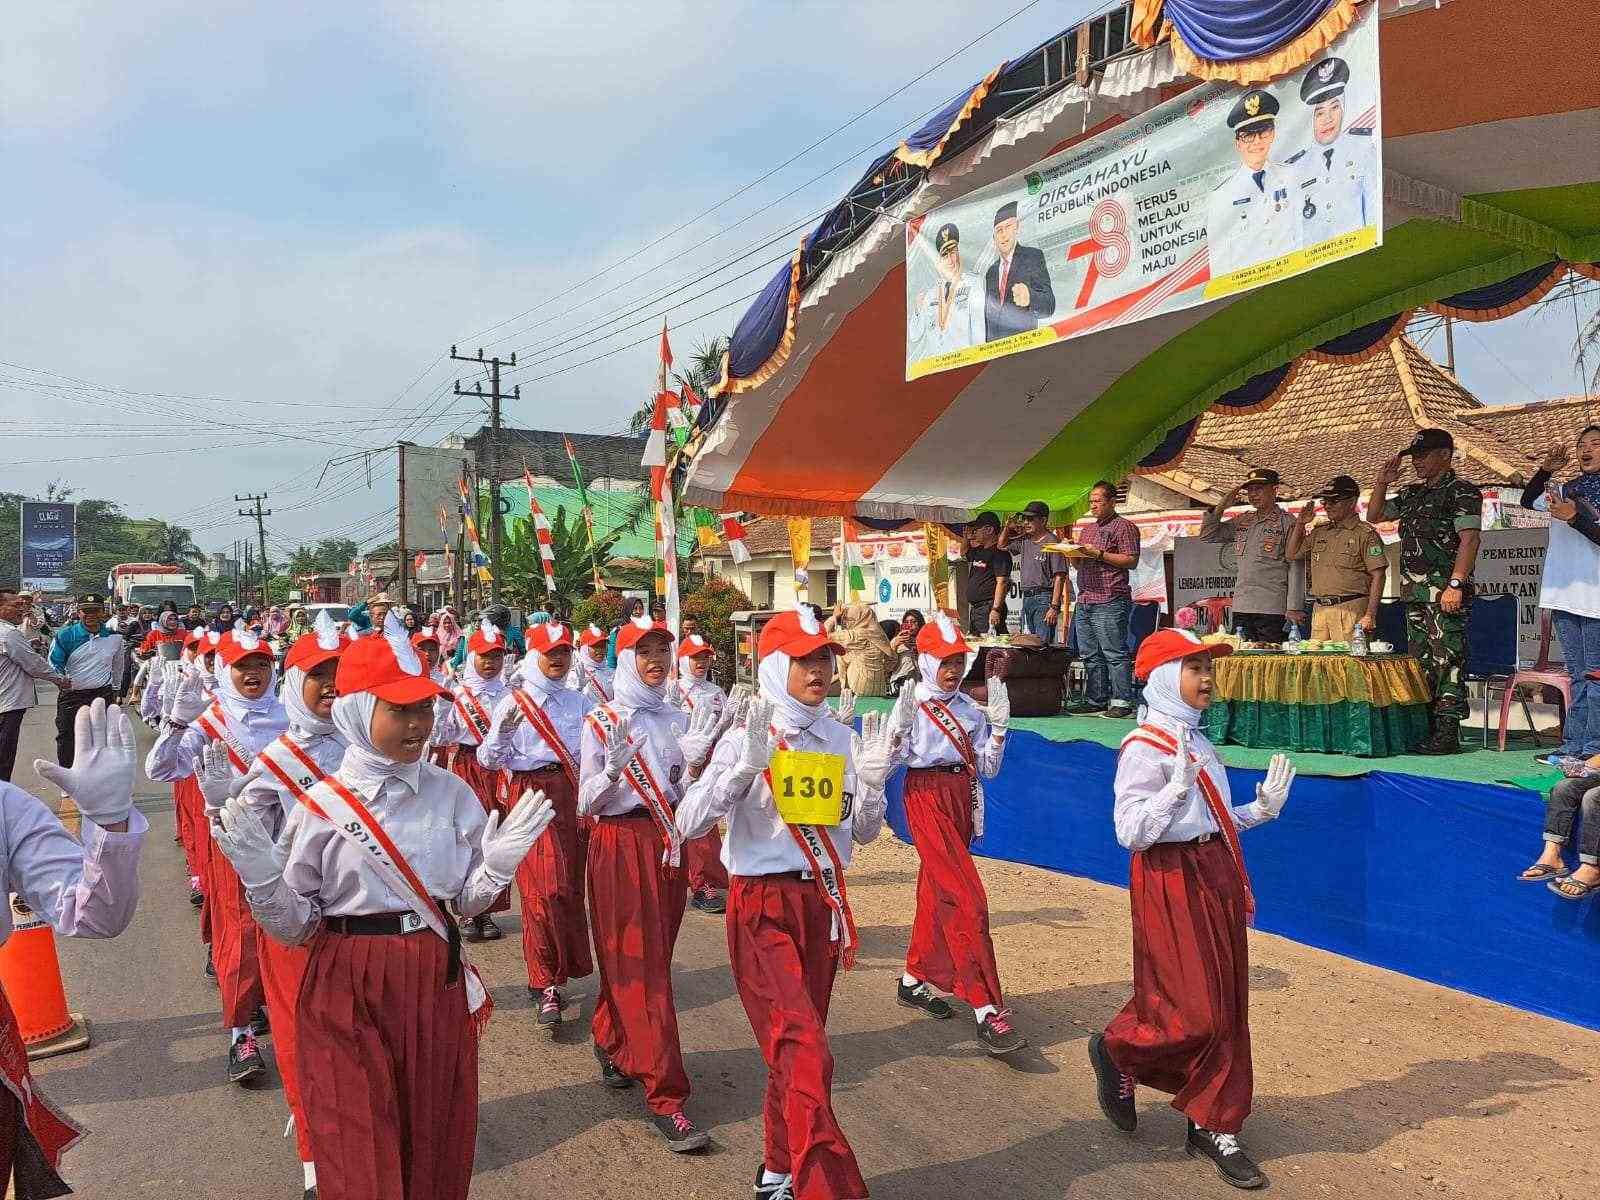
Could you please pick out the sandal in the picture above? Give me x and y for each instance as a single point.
(1540, 872)
(1574, 889)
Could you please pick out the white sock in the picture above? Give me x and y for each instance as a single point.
(310, 1170)
(239, 1031)
(768, 1175)
(984, 1013)
(910, 980)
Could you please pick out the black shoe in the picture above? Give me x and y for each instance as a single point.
(609, 1074)
(549, 1017)
(311, 1194)
(196, 897)
(1446, 739)
(244, 1059)
(998, 1035)
(472, 929)
(1085, 708)
(1113, 1088)
(782, 1190)
(211, 967)
(1223, 1149)
(680, 1132)
(1119, 712)
(924, 997)
(709, 901)
(489, 931)
(259, 1025)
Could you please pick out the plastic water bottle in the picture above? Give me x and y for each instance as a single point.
(1358, 642)
(1292, 645)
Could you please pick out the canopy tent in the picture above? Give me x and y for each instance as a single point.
(1491, 194)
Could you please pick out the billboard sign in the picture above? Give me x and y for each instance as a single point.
(49, 545)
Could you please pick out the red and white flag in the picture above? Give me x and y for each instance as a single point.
(733, 534)
(420, 561)
(655, 446)
(542, 532)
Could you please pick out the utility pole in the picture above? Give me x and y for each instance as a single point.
(261, 532)
(494, 396)
(1450, 345)
(400, 535)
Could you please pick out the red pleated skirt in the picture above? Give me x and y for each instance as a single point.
(784, 962)
(635, 910)
(206, 854)
(486, 785)
(702, 858)
(950, 943)
(550, 885)
(390, 1062)
(1187, 1029)
(235, 944)
(282, 970)
(189, 807)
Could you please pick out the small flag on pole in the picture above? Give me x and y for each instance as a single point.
(420, 561)
(655, 446)
(542, 532)
(733, 534)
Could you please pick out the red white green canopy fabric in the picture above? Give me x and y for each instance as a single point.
(1492, 118)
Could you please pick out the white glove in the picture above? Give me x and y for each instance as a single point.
(241, 835)
(208, 679)
(733, 711)
(701, 735)
(171, 677)
(219, 782)
(620, 750)
(100, 779)
(999, 708)
(847, 706)
(759, 743)
(441, 708)
(871, 751)
(905, 711)
(513, 718)
(188, 698)
(505, 844)
(1186, 773)
(1271, 793)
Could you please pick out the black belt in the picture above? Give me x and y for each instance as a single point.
(1336, 599)
(796, 876)
(1036, 591)
(541, 769)
(1197, 841)
(633, 814)
(382, 924)
(947, 768)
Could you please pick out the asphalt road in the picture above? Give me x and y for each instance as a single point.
(1368, 1084)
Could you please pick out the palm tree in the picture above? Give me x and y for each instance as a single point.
(1588, 350)
(704, 371)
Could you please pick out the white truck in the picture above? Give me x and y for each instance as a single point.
(151, 583)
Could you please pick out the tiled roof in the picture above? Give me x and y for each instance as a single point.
(1537, 426)
(765, 536)
(543, 452)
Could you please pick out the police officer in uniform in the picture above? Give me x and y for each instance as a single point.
(1269, 589)
(1348, 564)
(1441, 517)
(1335, 178)
(1249, 219)
(950, 316)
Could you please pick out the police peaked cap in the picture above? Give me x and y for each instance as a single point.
(1325, 80)
(1254, 108)
(947, 236)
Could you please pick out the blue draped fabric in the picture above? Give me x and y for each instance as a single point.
(1360, 339)
(1504, 293)
(761, 328)
(1228, 30)
(1171, 447)
(1256, 389)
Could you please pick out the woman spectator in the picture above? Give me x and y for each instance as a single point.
(276, 624)
(904, 644)
(1570, 586)
(449, 631)
(868, 658)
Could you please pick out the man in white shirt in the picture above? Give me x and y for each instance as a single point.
(1248, 220)
(1335, 178)
(90, 655)
(948, 316)
(20, 667)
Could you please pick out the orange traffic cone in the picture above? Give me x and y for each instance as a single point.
(31, 976)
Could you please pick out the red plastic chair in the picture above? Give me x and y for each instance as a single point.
(1543, 674)
(1216, 609)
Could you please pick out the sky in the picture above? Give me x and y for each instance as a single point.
(240, 238)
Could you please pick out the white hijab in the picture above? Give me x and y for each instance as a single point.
(788, 714)
(261, 719)
(485, 688)
(533, 678)
(303, 723)
(363, 767)
(633, 693)
(1161, 695)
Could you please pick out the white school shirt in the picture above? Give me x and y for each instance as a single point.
(176, 754)
(702, 691)
(523, 749)
(660, 731)
(434, 819)
(451, 729)
(1571, 579)
(929, 747)
(86, 889)
(267, 795)
(1147, 810)
(758, 842)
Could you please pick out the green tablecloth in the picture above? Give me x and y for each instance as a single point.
(1328, 704)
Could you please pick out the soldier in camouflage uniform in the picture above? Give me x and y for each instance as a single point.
(1440, 527)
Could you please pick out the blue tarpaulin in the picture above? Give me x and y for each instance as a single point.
(1413, 874)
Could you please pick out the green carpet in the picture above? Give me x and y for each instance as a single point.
(1515, 767)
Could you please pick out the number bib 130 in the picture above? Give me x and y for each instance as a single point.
(808, 786)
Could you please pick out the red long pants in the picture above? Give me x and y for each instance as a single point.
(1187, 1029)
(635, 910)
(783, 965)
(950, 944)
(550, 886)
(282, 970)
(702, 858)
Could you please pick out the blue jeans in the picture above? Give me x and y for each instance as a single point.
(1033, 610)
(1103, 644)
(1580, 647)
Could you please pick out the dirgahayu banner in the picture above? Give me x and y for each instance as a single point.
(1217, 191)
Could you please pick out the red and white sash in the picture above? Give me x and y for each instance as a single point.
(291, 766)
(643, 782)
(1160, 739)
(472, 712)
(828, 873)
(599, 688)
(215, 725)
(545, 728)
(51, 1128)
(947, 723)
(335, 803)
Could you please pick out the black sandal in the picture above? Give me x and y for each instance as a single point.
(1574, 889)
(1542, 872)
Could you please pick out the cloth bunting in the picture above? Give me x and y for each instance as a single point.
(543, 534)
(444, 520)
(466, 499)
(588, 509)
(733, 534)
(800, 542)
(850, 539)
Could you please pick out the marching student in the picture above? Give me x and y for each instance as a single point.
(462, 718)
(950, 745)
(187, 803)
(708, 879)
(635, 752)
(85, 889)
(389, 1011)
(1186, 1030)
(597, 679)
(789, 921)
(285, 769)
(244, 716)
(426, 643)
(534, 743)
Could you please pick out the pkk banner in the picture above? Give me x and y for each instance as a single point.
(1218, 191)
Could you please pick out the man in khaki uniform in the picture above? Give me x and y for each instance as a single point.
(1348, 565)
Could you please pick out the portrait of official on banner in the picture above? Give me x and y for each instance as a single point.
(1217, 191)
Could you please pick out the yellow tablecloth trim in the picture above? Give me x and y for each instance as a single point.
(1319, 679)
